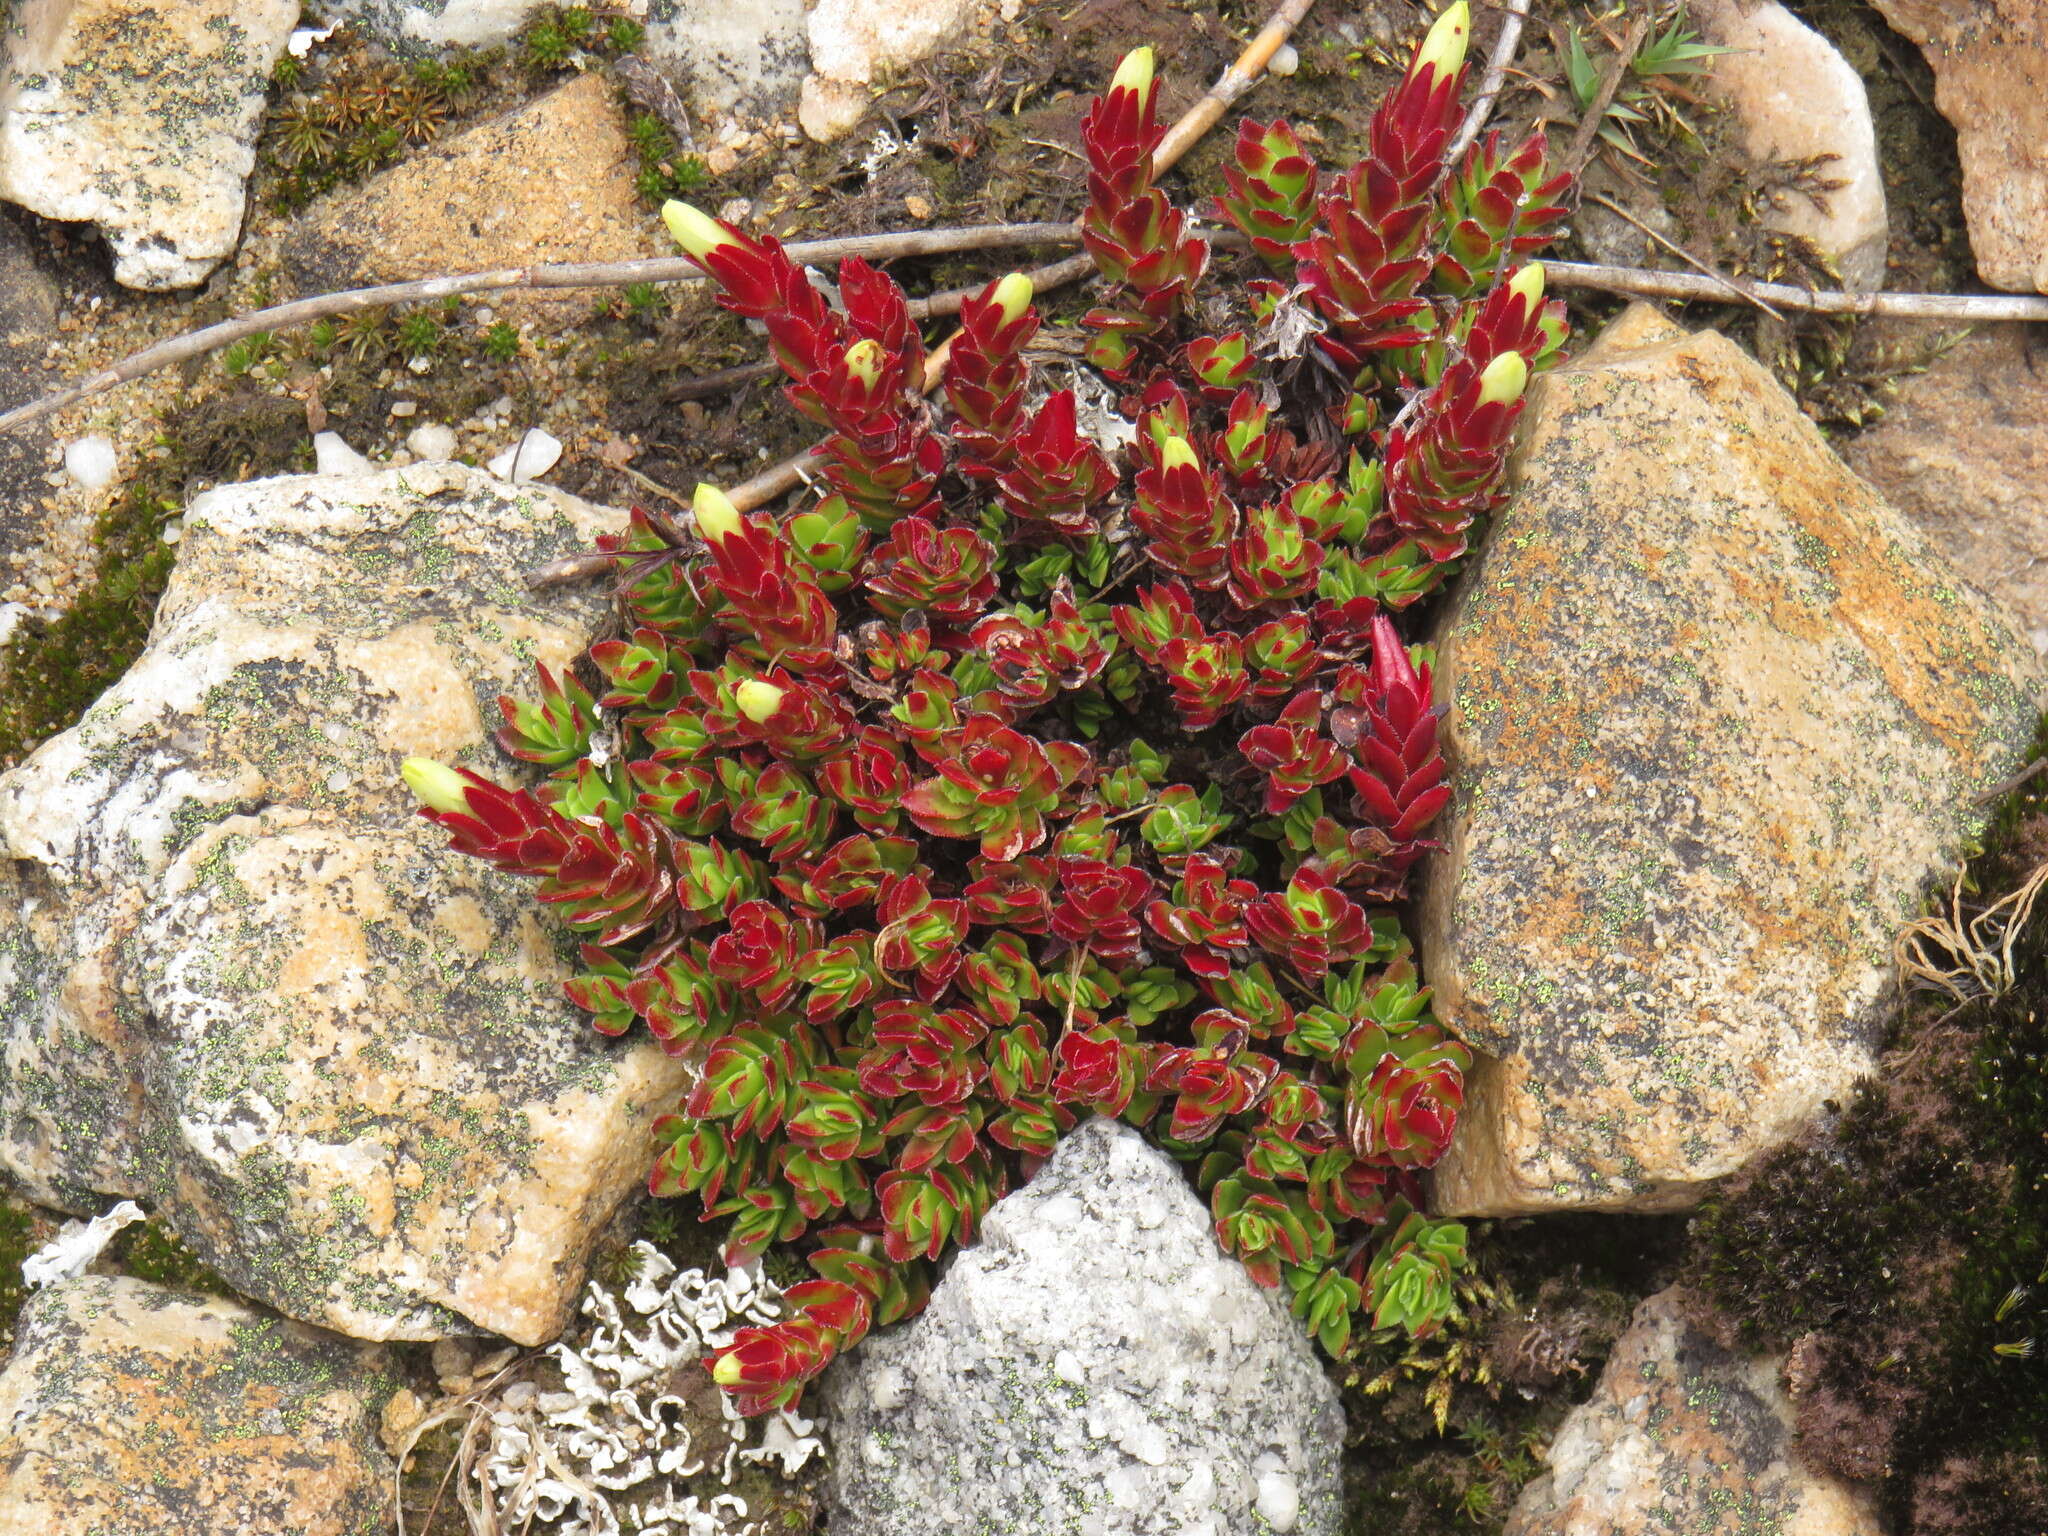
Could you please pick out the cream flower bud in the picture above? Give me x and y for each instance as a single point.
(1503, 379)
(717, 518)
(1013, 296)
(1445, 45)
(1527, 284)
(694, 229)
(1134, 72)
(1176, 452)
(757, 700)
(439, 787)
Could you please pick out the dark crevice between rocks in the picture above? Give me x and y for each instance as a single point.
(1898, 1252)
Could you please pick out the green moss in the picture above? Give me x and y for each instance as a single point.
(149, 1250)
(53, 670)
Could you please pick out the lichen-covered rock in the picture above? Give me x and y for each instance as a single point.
(552, 181)
(1964, 453)
(1990, 58)
(1798, 100)
(1685, 1435)
(128, 1407)
(140, 118)
(1094, 1362)
(747, 56)
(239, 979)
(1718, 715)
(422, 25)
(852, 39)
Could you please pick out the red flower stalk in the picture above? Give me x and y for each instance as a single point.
(1098, 906)
(1386, 719)
(1205, 918)
(611, 883)
(757, 279)
(1444, 467)
(985, 381)
(1057, 475)
(1293, 752)
(1184, 513)
(767, 595)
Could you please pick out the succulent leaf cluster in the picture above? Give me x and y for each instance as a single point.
(1017, 777)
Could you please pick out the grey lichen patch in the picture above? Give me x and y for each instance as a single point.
(1719, 716)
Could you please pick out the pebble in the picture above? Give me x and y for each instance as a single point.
(333, 456)
(528, 459)
(1285, 61)
(431, 440)
(404, 407)
(90, 462)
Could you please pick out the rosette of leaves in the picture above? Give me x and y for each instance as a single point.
(924, 829)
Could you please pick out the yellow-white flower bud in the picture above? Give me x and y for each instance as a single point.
(1134, 72)
(717, 518)
(1176, 452)
(439, 787)
(1527, 284)
(1503, 379)
(1013, 296)
(757, 700)
(1445, 45)
(694, 229)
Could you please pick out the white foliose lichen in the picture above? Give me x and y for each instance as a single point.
(632, 1441)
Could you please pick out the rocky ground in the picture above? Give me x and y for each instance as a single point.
(1748, 673)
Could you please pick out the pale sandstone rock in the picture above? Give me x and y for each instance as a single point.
(1990, 61)
(140, 118)
(1684, 1435)
(1096, 1355)
(1964, 453)
(552, 181)
(240, 980)
(1718, 716)
(130, 1407)
(1798, 99)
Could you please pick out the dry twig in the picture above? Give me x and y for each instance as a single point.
(586, 274)
(1497, 64)
(1968, 958)
(1582, 142)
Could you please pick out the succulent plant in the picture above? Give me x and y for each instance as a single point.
(907, 814)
